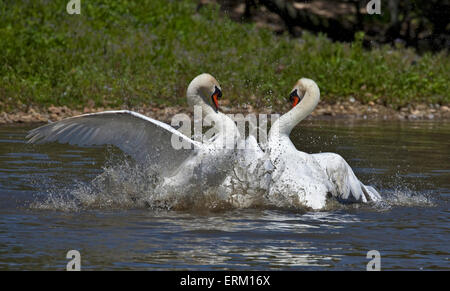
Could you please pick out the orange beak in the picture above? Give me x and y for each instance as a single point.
(295, 101)
(215, 99)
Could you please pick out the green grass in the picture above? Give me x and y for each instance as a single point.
(146, 52)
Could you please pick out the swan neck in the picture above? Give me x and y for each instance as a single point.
(285, 124)
(195, 97)
(224, 125)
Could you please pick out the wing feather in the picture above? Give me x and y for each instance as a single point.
(143, 138)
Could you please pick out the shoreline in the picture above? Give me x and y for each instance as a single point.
(339, 110)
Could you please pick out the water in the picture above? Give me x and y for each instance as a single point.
(407, 161)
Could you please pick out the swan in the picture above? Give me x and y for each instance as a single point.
(309, 179)
(250, 179)
(149, 141)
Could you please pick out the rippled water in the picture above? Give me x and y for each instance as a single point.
(407, 161)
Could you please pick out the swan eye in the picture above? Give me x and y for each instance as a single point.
(294, 98)
(217, 92)
(215, 98)
(293, 95)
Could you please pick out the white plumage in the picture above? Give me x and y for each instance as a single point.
(308, 179)
(149, 141)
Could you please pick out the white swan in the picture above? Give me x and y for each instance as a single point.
(150, 141)
(249, 182)
(308, 179)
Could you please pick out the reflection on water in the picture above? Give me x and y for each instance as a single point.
(407, 161)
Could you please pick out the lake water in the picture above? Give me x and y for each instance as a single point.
(408, 162)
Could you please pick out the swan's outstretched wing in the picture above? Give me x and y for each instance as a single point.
(342, 176)
(143, 138)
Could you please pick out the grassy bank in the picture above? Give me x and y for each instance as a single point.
(135, 52)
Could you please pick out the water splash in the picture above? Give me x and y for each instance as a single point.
(126, 185)
(404, 197)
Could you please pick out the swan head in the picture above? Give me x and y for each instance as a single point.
(305, 89)
(204, 89)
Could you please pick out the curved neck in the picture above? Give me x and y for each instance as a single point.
(284, 125)
(225, 132)
(195, 99)
(225, 126)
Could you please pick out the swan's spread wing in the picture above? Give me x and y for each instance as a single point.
(143, 138)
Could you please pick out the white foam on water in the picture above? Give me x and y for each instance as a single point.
(126, 185)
